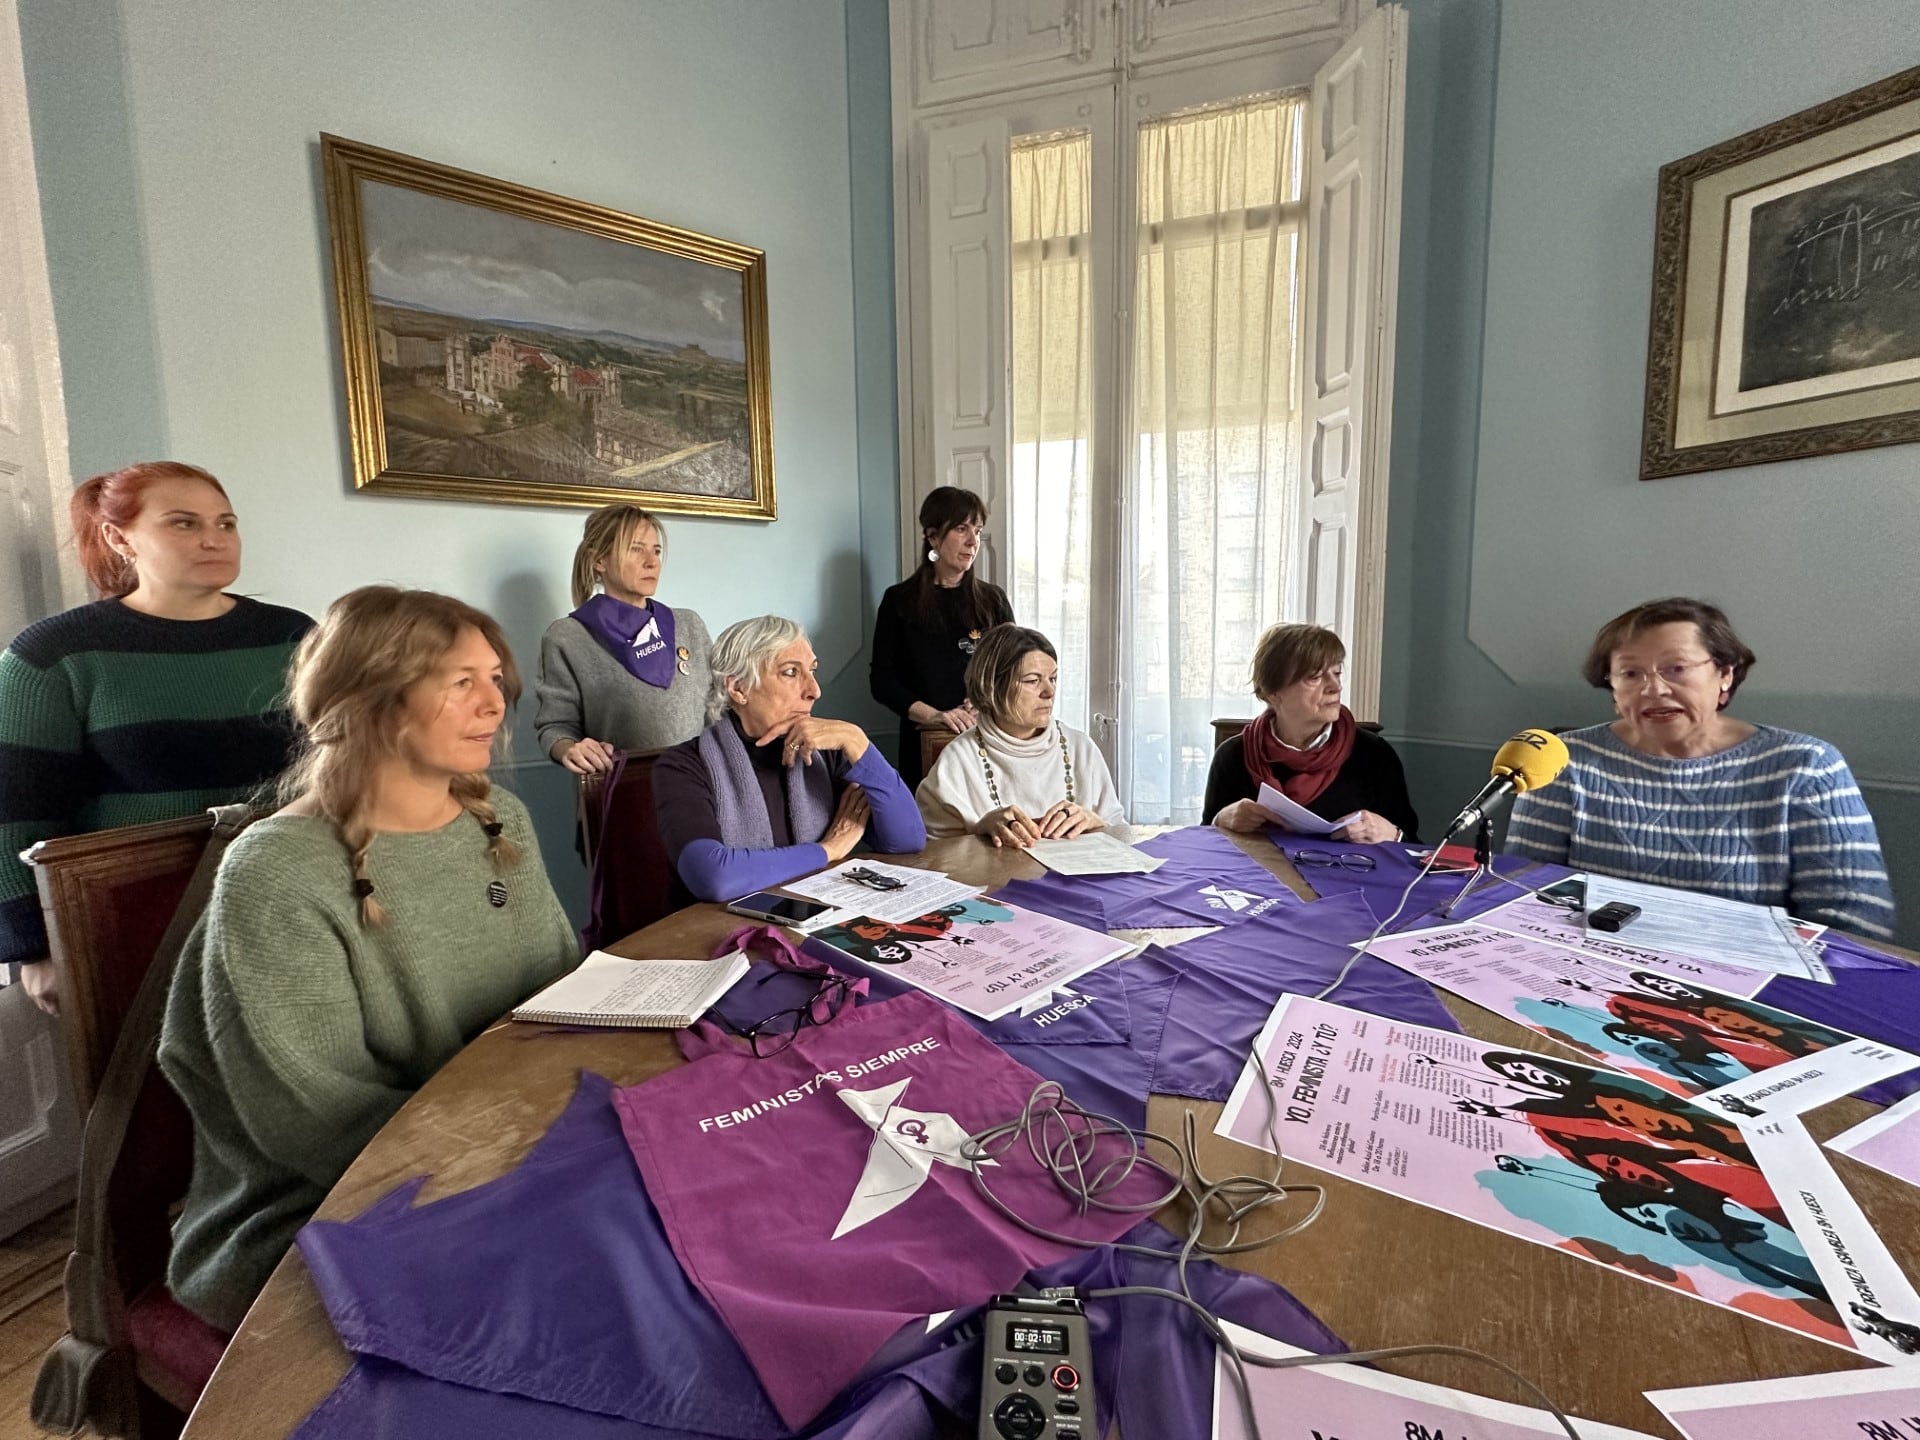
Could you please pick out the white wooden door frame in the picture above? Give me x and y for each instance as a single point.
(39, 1128)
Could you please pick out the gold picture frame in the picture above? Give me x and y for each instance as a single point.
(506, 345)
(1786, 289)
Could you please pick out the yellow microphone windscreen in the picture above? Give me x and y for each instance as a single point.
(1531, 759)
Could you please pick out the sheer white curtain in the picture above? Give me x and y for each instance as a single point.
(1213, 489)
(1048, 523)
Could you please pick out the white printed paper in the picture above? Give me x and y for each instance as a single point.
(1890, 1142)
(1097, 853)
(1299, 819)
(1873, 1295)
(1350, 1400)
(1537, 920)
(1879, 1404)
(1686, 922)
(920, 892)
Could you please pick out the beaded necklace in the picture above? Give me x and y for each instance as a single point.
(993, 785)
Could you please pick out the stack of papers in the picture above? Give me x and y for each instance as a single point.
(1685, 922)
(1095, 854)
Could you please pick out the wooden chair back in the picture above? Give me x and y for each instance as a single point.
(629, 882)
(108, 898)
(933, 739)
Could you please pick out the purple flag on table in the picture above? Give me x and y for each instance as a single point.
(1874, 996)
(1152, 1366)
(1207, 880)
(850, 1140)
(1231, 980)
(1098, 1036)
(554, 1281)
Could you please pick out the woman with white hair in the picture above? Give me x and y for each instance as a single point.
(769, 791)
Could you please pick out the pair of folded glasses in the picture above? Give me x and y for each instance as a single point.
(872, 879)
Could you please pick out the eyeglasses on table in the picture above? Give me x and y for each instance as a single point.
(1345, 859)
(872, 879)
(768, 1037)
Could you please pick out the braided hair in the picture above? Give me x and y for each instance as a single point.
(349, 685)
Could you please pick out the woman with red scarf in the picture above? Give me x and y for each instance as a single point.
(1306, 745)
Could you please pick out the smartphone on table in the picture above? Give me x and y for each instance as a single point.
(780, 909)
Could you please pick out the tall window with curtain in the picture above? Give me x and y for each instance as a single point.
(1214, 485)
(1050, 499)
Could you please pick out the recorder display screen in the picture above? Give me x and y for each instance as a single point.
(1027, 1338)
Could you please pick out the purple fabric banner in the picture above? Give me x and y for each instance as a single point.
(1394, 869)
(1152, 1368)
(1098, 1039)
(851, 1141)
(526, 1286)
(1874, 996)
(1231, 980)
(1207, 880)
(1111, 1079)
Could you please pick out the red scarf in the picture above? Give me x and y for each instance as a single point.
(1300, 775)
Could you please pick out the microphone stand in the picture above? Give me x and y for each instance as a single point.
(1482, 866)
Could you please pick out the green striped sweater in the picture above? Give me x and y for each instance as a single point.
(110, 717)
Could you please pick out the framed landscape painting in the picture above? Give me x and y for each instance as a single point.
(1786, 289)
(507, 345)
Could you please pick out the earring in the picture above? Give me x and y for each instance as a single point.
(932, 555)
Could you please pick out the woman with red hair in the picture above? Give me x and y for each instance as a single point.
(165, 696)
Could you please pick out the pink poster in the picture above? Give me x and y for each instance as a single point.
(1545, 916)
(1603, 1166)
(1350, 1400)
(981, 956)
(1731, 1053)
(1879, 1404)
(1890, 1141)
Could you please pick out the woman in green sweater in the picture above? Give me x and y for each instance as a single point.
(163, 698)
(358, 938)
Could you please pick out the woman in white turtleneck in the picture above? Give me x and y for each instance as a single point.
(1018, 776)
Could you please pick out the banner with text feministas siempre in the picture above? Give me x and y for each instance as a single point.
(1603, 1166)
(1731, 1053)
(980, 956)
(823, 1197)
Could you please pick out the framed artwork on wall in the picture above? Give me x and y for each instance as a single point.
(506, 345)
(1786, 289)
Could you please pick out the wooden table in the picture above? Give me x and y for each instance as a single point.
(1377, 1269)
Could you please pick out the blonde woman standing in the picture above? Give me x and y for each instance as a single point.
(358, 938)
(622, 672)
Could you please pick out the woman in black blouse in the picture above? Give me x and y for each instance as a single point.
(930, 623)
(1307, 745)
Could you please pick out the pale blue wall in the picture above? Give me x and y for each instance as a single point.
(1535, 134)
(178, 153)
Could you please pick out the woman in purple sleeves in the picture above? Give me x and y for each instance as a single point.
(769, 791)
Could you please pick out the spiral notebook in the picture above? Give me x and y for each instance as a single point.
(636, 994)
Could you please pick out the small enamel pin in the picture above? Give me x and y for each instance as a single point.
(680, 653)
(497, 893)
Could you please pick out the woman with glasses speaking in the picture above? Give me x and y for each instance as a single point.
(1676, 791)
(1307, 745)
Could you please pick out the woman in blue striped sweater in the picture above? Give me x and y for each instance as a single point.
(1678, 792)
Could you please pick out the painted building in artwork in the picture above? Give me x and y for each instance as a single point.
(484, 376)
(409, 352)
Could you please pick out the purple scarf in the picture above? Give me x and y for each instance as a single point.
(740, 804)
(640, 639)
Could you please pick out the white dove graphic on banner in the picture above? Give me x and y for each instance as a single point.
(906, 1146)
